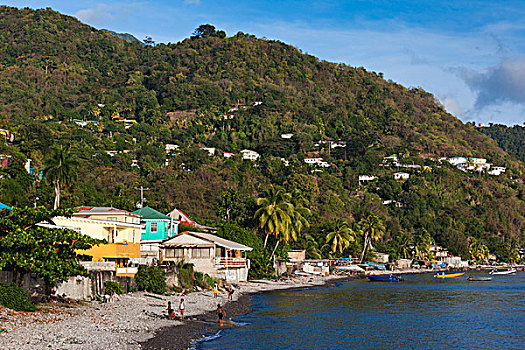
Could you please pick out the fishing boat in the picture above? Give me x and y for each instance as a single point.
(384, 278)
(449, 275)
(503, 272)
(479, 278)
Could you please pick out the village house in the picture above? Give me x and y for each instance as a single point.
(228, 154)
(169, 148)
(156, 227)
(367, 178)
(401, 176)
(210, 254)
(497, 170)
(286, 136)
(249, 155)
(5, 160)
(457, 160)
(210, 150)
(120, 228)
(317, 162)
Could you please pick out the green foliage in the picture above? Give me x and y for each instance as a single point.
(112, 287)
(26, 247)
(151, 279)
(16, 298)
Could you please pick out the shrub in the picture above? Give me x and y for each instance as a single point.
(112, 287)
(151, 279)
(15, 298)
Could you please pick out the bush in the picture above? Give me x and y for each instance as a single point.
(15, 298)
(151, 279)
(112, 287)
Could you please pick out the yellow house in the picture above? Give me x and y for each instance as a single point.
(120, 228)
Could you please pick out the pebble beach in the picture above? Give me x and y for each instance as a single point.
(131, 321)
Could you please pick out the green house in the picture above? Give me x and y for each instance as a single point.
(157, 226)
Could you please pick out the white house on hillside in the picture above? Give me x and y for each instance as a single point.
(457, 160)
(367, 178)
(249, 155)
(401, 176)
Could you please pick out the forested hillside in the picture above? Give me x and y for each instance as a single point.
(65, 84)
(510, 138)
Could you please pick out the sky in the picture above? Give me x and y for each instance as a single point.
(470, 54)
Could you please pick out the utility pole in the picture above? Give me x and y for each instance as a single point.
(142, 189)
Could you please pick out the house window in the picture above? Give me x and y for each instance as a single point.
(178, 252)
(112, 218)
(200, 253)
(153, 227)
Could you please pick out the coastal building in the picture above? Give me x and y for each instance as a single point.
(317, 162)
(249, 155)
(228, 154)
(120, 228)
(169, 148)
(286, 136)
(381, 258)
(210, 254)
(156, 227)
(457, 160)
(497, 170)
(183, 219)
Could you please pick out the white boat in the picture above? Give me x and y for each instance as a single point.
(503, 272)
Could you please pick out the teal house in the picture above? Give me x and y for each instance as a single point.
(157, 228)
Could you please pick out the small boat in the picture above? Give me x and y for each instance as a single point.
(384, 278)
(479, 278)
(503, 272)
(449, 275)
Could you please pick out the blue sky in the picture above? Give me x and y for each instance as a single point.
(469, 54)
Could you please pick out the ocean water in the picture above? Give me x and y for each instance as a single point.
(419, 313)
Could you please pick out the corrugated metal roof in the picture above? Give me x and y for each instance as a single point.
(102, 211)
(211, 238)
(151, 214)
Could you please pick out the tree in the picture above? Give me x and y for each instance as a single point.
(27, 246)
(61, 171)
(373, 229)
(340, 237)
(207, 30)
(479, 253)
(274, 212)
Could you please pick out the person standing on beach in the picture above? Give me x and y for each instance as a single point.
(181, 308)
(171, 312)
(220, 313)
(230, 292)
(215, 290)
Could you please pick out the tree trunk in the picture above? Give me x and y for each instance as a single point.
(274, 249)
(57, 195)
(364, 250)
(265, 240)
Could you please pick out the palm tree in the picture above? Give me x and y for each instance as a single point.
(404, 246)
(373, 230)
(423, 243)
(311, 247)
(478, 252)
(274, 212)
(341, 237)
(61, 171)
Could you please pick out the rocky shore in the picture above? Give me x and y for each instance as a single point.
(131, 321)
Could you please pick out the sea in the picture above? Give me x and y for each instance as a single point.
(421, 312)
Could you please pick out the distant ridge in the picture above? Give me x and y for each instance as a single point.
(125, 36)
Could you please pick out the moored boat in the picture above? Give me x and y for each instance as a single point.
(384, 278)
(479, 278)
(503, 272)
(449, 275)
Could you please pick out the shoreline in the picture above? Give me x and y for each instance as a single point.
(186, 334)
(134, 319)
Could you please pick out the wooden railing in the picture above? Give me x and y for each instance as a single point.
(234, 262)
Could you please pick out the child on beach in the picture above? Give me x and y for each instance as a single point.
(181, 308)
(220, 313)
(215, 290)
(230, 292)
(171, 312)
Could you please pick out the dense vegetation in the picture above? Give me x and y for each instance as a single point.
(511, 139)
(233, 93)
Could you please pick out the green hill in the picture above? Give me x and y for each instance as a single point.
(234, 93)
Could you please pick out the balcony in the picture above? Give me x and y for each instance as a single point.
(114, 250)
(231, 262)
